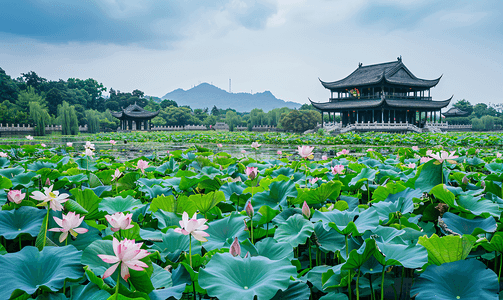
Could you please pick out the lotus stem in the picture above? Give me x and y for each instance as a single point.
(372, 296)
(357, 281)
(401, 282)
(251, 229)
(309, 248)
(368, 192)
(382, 282)
(349, 284)
(20, 246)
(501, 263)
(190, 250)
(117, 285)
(46, 223)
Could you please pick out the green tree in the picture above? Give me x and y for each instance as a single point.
(32, 79)
(480, 109)
(166, 103)
(464, 105)
(93, 121)
(300, 121)
(232, 119)
(29, 95)
(215, 111)
(8, 88)
(68, 119)
(54, 98)
(39, 116)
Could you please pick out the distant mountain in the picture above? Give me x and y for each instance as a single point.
(207, 95)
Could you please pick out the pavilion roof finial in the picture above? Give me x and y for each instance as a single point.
(399, 58)
(359, 65)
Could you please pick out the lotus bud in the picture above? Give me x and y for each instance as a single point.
(279, 152)
(235, 249)
(47, 182)
(483, 184)
(16, 196)
(246, 225)
(464, 180)
(305, 210)
(251, 172)
(249, 210)
(324, 157)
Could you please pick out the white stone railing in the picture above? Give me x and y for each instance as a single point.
(381, 126)
(28, 128)
(178, 128)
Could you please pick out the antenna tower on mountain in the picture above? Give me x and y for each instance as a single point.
(230, 91)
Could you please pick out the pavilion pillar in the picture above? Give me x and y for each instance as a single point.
(382, 115)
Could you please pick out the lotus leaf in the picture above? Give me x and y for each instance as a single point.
(295, 231)
(446, 249)
(474, 226)
(22, 220)
(228, 277)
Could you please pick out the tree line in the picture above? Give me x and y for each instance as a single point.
(483, 117)
(32, 99)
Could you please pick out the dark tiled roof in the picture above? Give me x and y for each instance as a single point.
(364, 104)
(391, 72)
(455, 112)
(135, 111)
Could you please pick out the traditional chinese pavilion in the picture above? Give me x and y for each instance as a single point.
(382, 93)
(455, 112)
(134, 117)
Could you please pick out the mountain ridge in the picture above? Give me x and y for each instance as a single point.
(206, 95)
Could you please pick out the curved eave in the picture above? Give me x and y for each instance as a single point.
(342, 86)
(116, 114)
(417, 82)
(143, 115)
(347, 104)
(418, 104)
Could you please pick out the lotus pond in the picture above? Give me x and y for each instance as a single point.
(200, 223)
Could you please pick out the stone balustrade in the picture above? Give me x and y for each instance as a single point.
(28, 129)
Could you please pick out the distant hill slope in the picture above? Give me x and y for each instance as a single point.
(207, 95)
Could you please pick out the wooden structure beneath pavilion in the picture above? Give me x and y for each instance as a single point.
(134, 117)
(382, 93)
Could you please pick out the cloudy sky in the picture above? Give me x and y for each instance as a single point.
(283, 46)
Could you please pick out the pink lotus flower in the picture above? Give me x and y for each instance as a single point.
(251, 172)
(411, 165)
(243, 151)
(305, 210)
(43, 145)
(89, 145)
(220, 145)
(29, 137)
(112, 142)
(255, 145)
(16, 196)
(343, 152)
(3, 154)
(425, 159)
(249, 210)
(428, 152)
(235, 249)
(69, 144)
(128, 255)
(193, 226)
(324, 157)
(47, 182)
(370, 149)
(142, 165)
(305, 151)
(69, 223)
(498, 155)
(279, 152)
(337, 169)
(443, 155)
(88, 152)
(116, 174)
(415, 148)
(313, 180)
(167, 152)
(119, 221)
(54, 198)
(465, 180)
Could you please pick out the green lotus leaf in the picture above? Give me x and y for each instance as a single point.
(285, 214)
(29, 269)
(297, 290)
(409, 256)
(119, 204)
(173, 244)
(267, 214)
(335, 277)
(446, 249)
(329, 190)
(167, 219)
(156, 190)
(5, 182)
(484, 207)
(357, 257)
(465, 279)
(441, 192)
(496, 243)
(367, 220)
(428, 176)
(128, 181)
(466, 226)
(227, 277)
(88, 200)
(278, 194)
(24, 180)
(366, 174)
(4, 162)
(330, 240)
(85, 163)
(314, 276)
(222, 230)
(475, 161)
(384, 208)
(386, 234)
(22, 220)
(206, 202)
(340, 218)
(88, 292)
(11, 172)
(295, 231)
(165, 203)
(274, 250)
